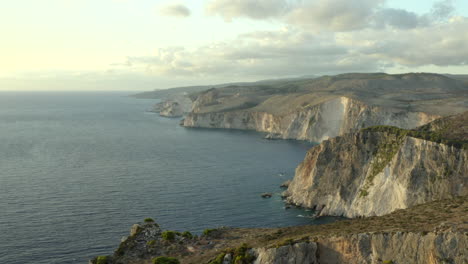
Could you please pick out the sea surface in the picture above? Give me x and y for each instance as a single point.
(77, 170)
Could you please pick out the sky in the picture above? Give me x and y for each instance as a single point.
(152, 44)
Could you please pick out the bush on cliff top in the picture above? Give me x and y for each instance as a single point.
(102, 260)
(187, 234)
(168, 235)
(165, 260)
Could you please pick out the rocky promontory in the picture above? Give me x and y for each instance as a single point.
(381, 169)
(435, 232)
(176, 106)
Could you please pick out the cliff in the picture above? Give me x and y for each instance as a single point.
(174, 107)
(330, 106)
(382, 169)
(316, 122)
(435, 232)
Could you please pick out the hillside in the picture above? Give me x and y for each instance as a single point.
(325, 107)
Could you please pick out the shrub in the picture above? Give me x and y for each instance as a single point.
(219, 259)
(149, 220)
(165, 260)
(168, 235)
(151, 243)
(102, 260)
(207, 232)
(187, 234)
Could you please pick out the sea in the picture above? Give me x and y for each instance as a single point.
(78, 169)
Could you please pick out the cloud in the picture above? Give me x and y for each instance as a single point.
(442, 10)
(255, 9)
(396, 18)
(258, 54)
(334, 15)
(439, 44)
(330, 15)
(175, 10)
(291, 51)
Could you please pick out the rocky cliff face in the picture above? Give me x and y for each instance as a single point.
(174, 107)
(374, 173)
(312, 122)
(374, 248)
(299, 253)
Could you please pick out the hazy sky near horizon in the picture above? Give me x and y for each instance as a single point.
(148, 44)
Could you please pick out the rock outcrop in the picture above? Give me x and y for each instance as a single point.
(374, 248)
(379, 170)
(299, 253)
(174, 107)
(398, 247)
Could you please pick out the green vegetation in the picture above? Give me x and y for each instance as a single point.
(434, 136)
(165, 260)
(240, 255)
(388, 262)
(102, 260)
(149, 220)
(208, 232)
(285, 242)
(187, 234)
(168, 235)
(384, 154)
(151, 243)
(219, 259)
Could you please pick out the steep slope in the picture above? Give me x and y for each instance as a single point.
(326, 107)
(381, 169)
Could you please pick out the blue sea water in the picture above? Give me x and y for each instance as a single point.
(78, 169)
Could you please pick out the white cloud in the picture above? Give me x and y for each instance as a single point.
(440, 44)
(291, 51)
(255, 9)
(176, 10)
(330, 15)
(334, 15)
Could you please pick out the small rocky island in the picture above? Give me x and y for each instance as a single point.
(392, 158)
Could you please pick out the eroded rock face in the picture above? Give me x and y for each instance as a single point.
(318, 122)
(375, 173)
(398, 247)
(372, 248)
(173, 107)
(300, 253)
